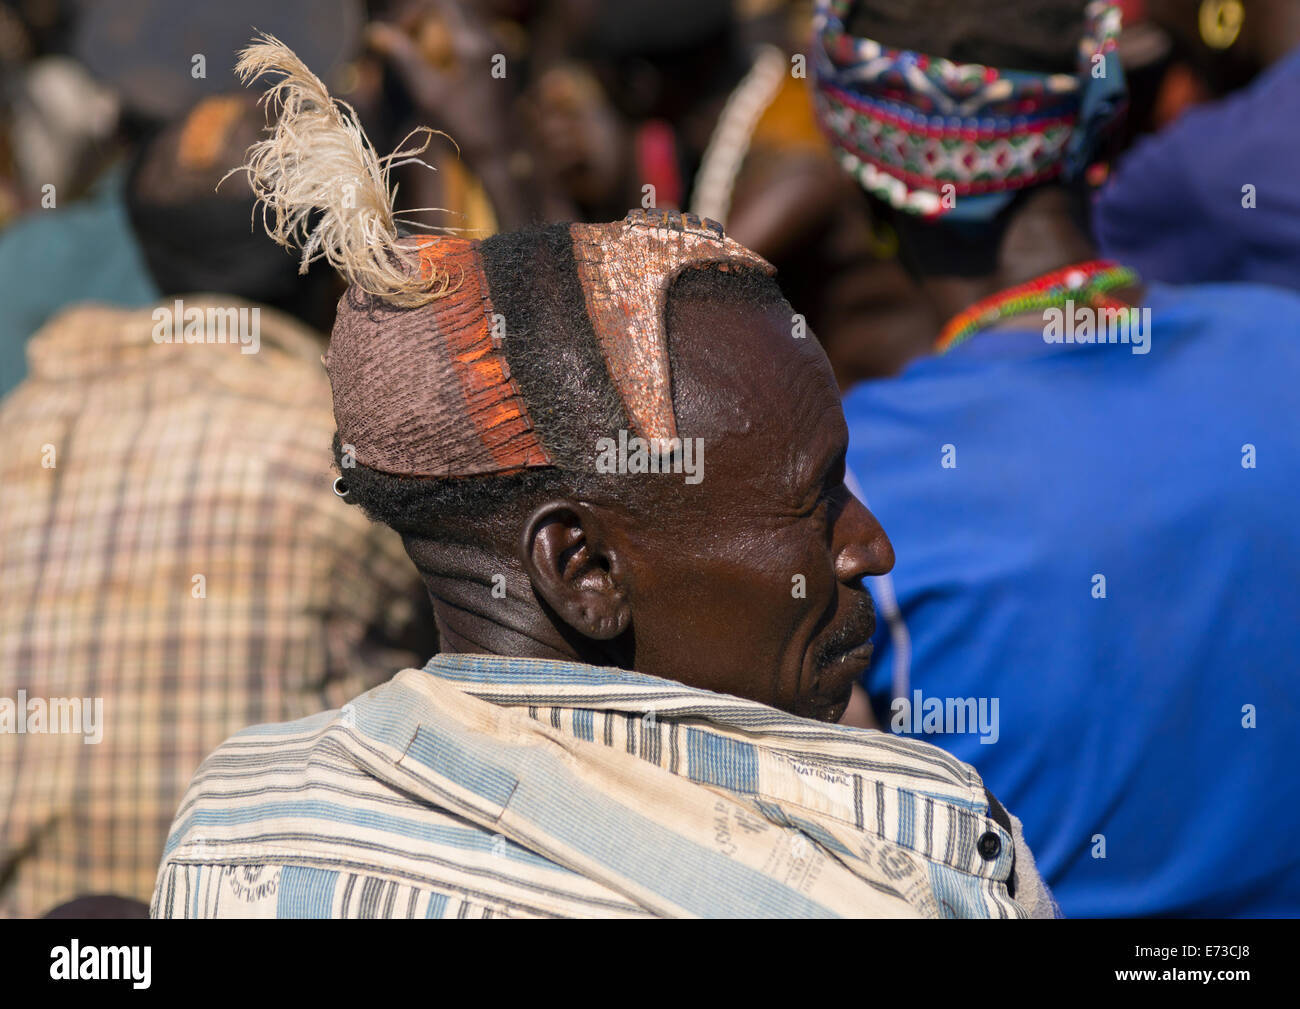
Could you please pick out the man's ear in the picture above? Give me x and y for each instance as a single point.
(572, 566)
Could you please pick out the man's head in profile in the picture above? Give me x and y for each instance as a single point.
(607, 443)
(617, 459)
(615, 444)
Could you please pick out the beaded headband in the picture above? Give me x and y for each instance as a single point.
(937, 138)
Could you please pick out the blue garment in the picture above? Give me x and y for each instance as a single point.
(51, 259)
(1174, 208)
(1119, 716)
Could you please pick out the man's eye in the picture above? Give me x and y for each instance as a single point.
(823, 502)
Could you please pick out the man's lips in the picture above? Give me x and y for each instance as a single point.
(850, 663)
(846, 653)
(861, 654)
(836, 678)
(860, 644)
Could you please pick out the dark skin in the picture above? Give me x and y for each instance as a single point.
(702, 592)
(102, 906)
(1195, 73)
(1269, 29)
(797, 209)
(582, 144)
(1041, 237)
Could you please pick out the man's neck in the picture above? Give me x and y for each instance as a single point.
(471, 619)
(485, 604)
(1042, 237)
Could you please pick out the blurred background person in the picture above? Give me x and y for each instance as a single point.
(714, 114)
(61, 133)
(1091, 547)
(58, 124)
(680, 106)
(171, 550)
(1212, 196)
(95, 83)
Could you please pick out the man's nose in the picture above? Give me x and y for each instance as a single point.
(860, 544)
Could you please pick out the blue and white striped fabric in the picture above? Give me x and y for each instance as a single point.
(497, 787)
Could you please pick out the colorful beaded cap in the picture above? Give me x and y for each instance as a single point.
(934, 137)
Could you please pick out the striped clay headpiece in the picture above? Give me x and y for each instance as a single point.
(427, 391)
(418, 359)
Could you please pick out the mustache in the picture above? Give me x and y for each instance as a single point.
(858, 627)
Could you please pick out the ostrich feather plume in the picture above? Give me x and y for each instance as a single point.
(322, 188)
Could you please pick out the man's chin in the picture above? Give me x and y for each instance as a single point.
(835, 683)
(828, 705)
(833, 711)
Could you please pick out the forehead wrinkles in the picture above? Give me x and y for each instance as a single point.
(763, 401)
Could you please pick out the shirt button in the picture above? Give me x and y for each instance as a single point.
(989, 845)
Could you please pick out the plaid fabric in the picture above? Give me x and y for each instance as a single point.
(131, 467)
(484, 786)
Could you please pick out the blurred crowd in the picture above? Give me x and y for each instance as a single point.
(589, 108)
(169, 541)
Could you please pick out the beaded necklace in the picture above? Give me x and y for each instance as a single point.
(1087, 283)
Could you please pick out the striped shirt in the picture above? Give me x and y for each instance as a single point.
(501, 787)
(171, 552)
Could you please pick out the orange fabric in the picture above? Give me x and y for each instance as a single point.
(203, 136)
(790, 122)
